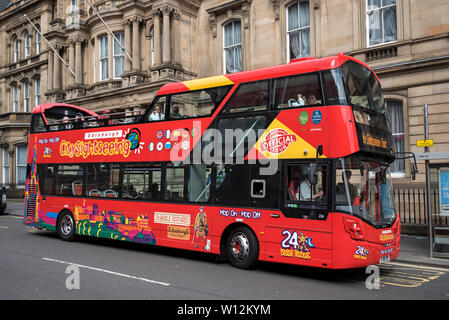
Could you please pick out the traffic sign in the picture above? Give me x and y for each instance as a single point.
(424, 143)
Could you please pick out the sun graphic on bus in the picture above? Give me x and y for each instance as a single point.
(134, 137)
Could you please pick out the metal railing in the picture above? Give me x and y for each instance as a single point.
(411, 203)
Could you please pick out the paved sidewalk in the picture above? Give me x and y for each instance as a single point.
(414, 249)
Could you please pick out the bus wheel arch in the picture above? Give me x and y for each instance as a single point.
(240, 246)
(66, 225)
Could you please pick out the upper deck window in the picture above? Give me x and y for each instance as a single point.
(185, 105)
(298, 91)
(198, 103)
(249, 97)
(362, 87)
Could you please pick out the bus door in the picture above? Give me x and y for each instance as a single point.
(301, 232)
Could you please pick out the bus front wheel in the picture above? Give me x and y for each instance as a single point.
(66, 226)
(242, 248)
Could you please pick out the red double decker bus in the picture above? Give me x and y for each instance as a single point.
(286, 164)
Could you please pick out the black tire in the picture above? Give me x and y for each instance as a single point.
(65, 228)
(242, 248)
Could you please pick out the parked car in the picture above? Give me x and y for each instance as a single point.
(3, 200)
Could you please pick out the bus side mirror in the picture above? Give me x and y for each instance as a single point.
(313, 174)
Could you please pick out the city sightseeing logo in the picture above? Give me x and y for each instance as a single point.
(276, 141)
(94, 145)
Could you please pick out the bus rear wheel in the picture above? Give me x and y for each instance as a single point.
(65, 227)
(242, 248)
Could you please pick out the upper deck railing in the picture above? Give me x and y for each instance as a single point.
(86, 122)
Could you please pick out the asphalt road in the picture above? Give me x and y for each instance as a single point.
(37, 265)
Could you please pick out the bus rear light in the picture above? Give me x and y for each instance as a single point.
(354, 229)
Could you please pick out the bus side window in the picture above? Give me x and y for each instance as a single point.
(334, 87)
(198, 103)
(298, 91)
(176, 184)
(233, 184)
(249, 97)
(50, 180)
(200, 182)
(299, 186)
(69, 180)
(142, 182)
(37, 123)
(103, 180)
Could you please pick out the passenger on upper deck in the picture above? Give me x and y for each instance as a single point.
(312, 100)
(297, 103)
(79, 121)
(66, 123)
(175, 112)
(157, 115)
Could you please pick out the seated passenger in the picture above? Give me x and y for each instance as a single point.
(157, 115)
(66, 123)
(301, 98)
(293, 187)
(307, 190)
(341, 187)
(175, 112)
(297, 103)
(312, 100)
(79, 121)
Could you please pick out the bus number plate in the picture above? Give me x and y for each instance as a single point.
(384, 259)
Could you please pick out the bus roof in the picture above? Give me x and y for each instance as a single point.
(296, 66)
(46, 106)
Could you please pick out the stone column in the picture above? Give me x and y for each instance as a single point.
(136, 44)
(176, 37)
(157, 37)
(166, 49)
(78, 62)
(57, 70)
(50, 70)
(71, 62)
(128, 47)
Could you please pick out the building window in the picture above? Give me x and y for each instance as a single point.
(381, 21)
(298, 30)
(152, 45)
(37, 92)
(396, 117)
(21, 165)
(104, 73)
(232, 47)
(26, 97)
(27, 41)
(5, 167)
(38, 41)
(119, 54)
(16, 50)
(73, 6)
(15, 98)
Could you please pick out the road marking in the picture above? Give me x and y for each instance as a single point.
(108, 271)
(408, 275)
(14, 217)
(3, 227)
(417, 266)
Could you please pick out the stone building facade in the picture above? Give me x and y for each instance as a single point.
(119, 61)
